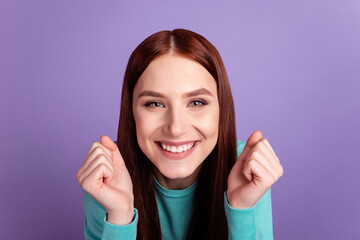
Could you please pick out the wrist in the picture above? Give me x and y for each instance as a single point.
(120, 218)
(238, 204)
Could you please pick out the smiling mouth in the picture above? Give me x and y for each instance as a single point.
(176, 149)
(177, 152)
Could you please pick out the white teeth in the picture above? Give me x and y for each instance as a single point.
(176, 149)
(180, 149)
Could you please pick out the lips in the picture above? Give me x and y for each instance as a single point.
(177, 150)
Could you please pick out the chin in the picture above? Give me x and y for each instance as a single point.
(177, 173)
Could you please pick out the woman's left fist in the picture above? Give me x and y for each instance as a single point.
(255, 171)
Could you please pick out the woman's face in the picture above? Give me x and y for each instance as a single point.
(176, 111)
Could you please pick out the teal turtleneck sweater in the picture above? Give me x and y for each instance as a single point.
(175, 209)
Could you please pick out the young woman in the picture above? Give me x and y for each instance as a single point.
(177, 170)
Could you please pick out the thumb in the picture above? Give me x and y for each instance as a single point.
(115, 153)
(250, 143)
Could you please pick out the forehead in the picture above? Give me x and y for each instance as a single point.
(173, 74)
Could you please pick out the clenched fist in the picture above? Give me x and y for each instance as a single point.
(105, 177)
(256, 170)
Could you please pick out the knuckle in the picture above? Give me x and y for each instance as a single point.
(98, 150)
(101, 157)
(256, 154)
(281, 171)
(263, 145)
(105, 168)
(263, 141)
(78, 175)
(102, 166)
(80, 180)
(251, 163)
(276, 176)
(86, 185)
(94, 145)
(101, 150)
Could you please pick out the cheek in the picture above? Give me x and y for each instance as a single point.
(146, 124)
(208, 123)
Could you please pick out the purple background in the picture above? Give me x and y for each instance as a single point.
(294, 67)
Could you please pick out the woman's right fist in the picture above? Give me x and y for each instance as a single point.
(105, 177)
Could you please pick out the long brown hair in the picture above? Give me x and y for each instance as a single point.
(208, 220)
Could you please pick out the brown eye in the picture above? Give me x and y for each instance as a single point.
(197, 103)
(154, 104)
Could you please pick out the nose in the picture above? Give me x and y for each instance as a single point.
(176, 123)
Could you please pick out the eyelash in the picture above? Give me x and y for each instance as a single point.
(200, 103)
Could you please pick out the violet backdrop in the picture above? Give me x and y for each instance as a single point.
(294, 68)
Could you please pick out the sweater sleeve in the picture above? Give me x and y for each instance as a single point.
(96, 226)
(252, 223)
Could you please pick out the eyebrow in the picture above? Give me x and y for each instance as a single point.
(200, 91)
